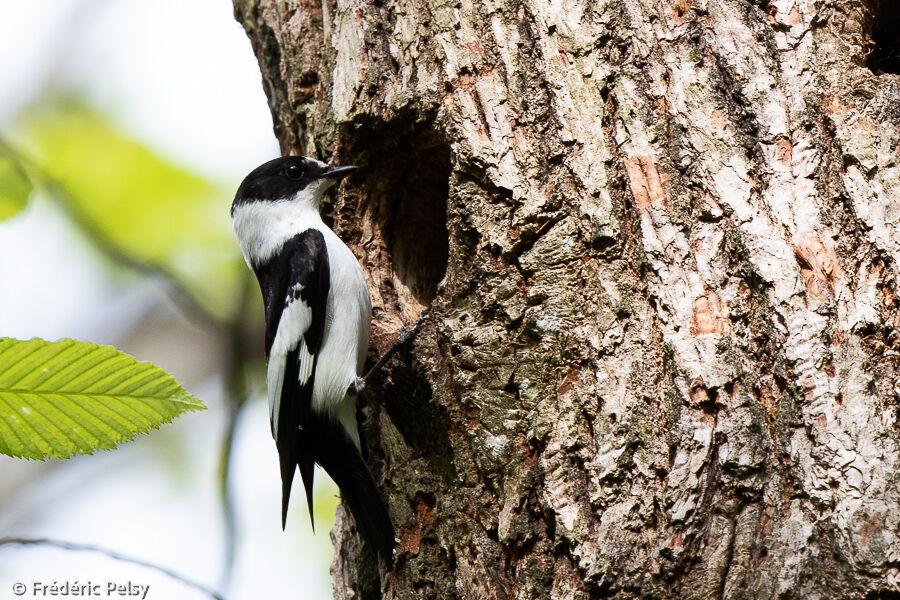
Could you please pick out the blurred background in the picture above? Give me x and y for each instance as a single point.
(136, 120)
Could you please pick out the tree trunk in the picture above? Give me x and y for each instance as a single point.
(660, 241)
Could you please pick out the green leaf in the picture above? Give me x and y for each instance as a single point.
(15, 187)
(130, 198)
(69, 397)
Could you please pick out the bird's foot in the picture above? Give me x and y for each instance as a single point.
(406, 335)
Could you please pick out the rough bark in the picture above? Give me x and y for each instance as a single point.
(660, 240)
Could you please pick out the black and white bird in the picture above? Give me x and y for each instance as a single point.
(318, 313)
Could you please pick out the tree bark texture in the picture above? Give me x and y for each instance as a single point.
(660, 242)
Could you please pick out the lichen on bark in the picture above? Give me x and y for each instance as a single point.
(659, 239)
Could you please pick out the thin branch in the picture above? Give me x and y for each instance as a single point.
(71, 546)
(236, 386)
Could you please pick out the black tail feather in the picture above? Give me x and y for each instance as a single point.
(327, 444)
(292, 454)
(290, 438)
(307, 470)
(287, 457)
(341, 460)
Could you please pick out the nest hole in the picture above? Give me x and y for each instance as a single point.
(885, 54)
(400, 198)
(404, 188)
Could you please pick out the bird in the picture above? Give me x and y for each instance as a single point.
(317, 314)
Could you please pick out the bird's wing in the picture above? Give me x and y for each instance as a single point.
(295, 322)
(297, 284)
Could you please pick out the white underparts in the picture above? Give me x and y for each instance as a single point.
(262, 228)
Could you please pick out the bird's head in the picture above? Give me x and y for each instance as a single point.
(289, 179)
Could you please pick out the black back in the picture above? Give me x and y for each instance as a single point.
(297, 273)
(302, 261)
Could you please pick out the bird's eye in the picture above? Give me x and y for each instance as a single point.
(294, 171)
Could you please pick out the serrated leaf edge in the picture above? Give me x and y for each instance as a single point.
(179, 395)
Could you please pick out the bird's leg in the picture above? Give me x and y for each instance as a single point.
(406, 336)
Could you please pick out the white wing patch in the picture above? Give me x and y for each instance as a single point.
(293, 325)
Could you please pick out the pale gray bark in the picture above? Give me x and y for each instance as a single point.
(660, 239)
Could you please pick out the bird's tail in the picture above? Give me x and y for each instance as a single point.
(343, 463)
(328, 444)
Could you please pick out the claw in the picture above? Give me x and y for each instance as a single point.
(405, 336)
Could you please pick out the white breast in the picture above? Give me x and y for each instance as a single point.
(346, 340)
(262, 228)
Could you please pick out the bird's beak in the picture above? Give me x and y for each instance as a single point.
(338, 173)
